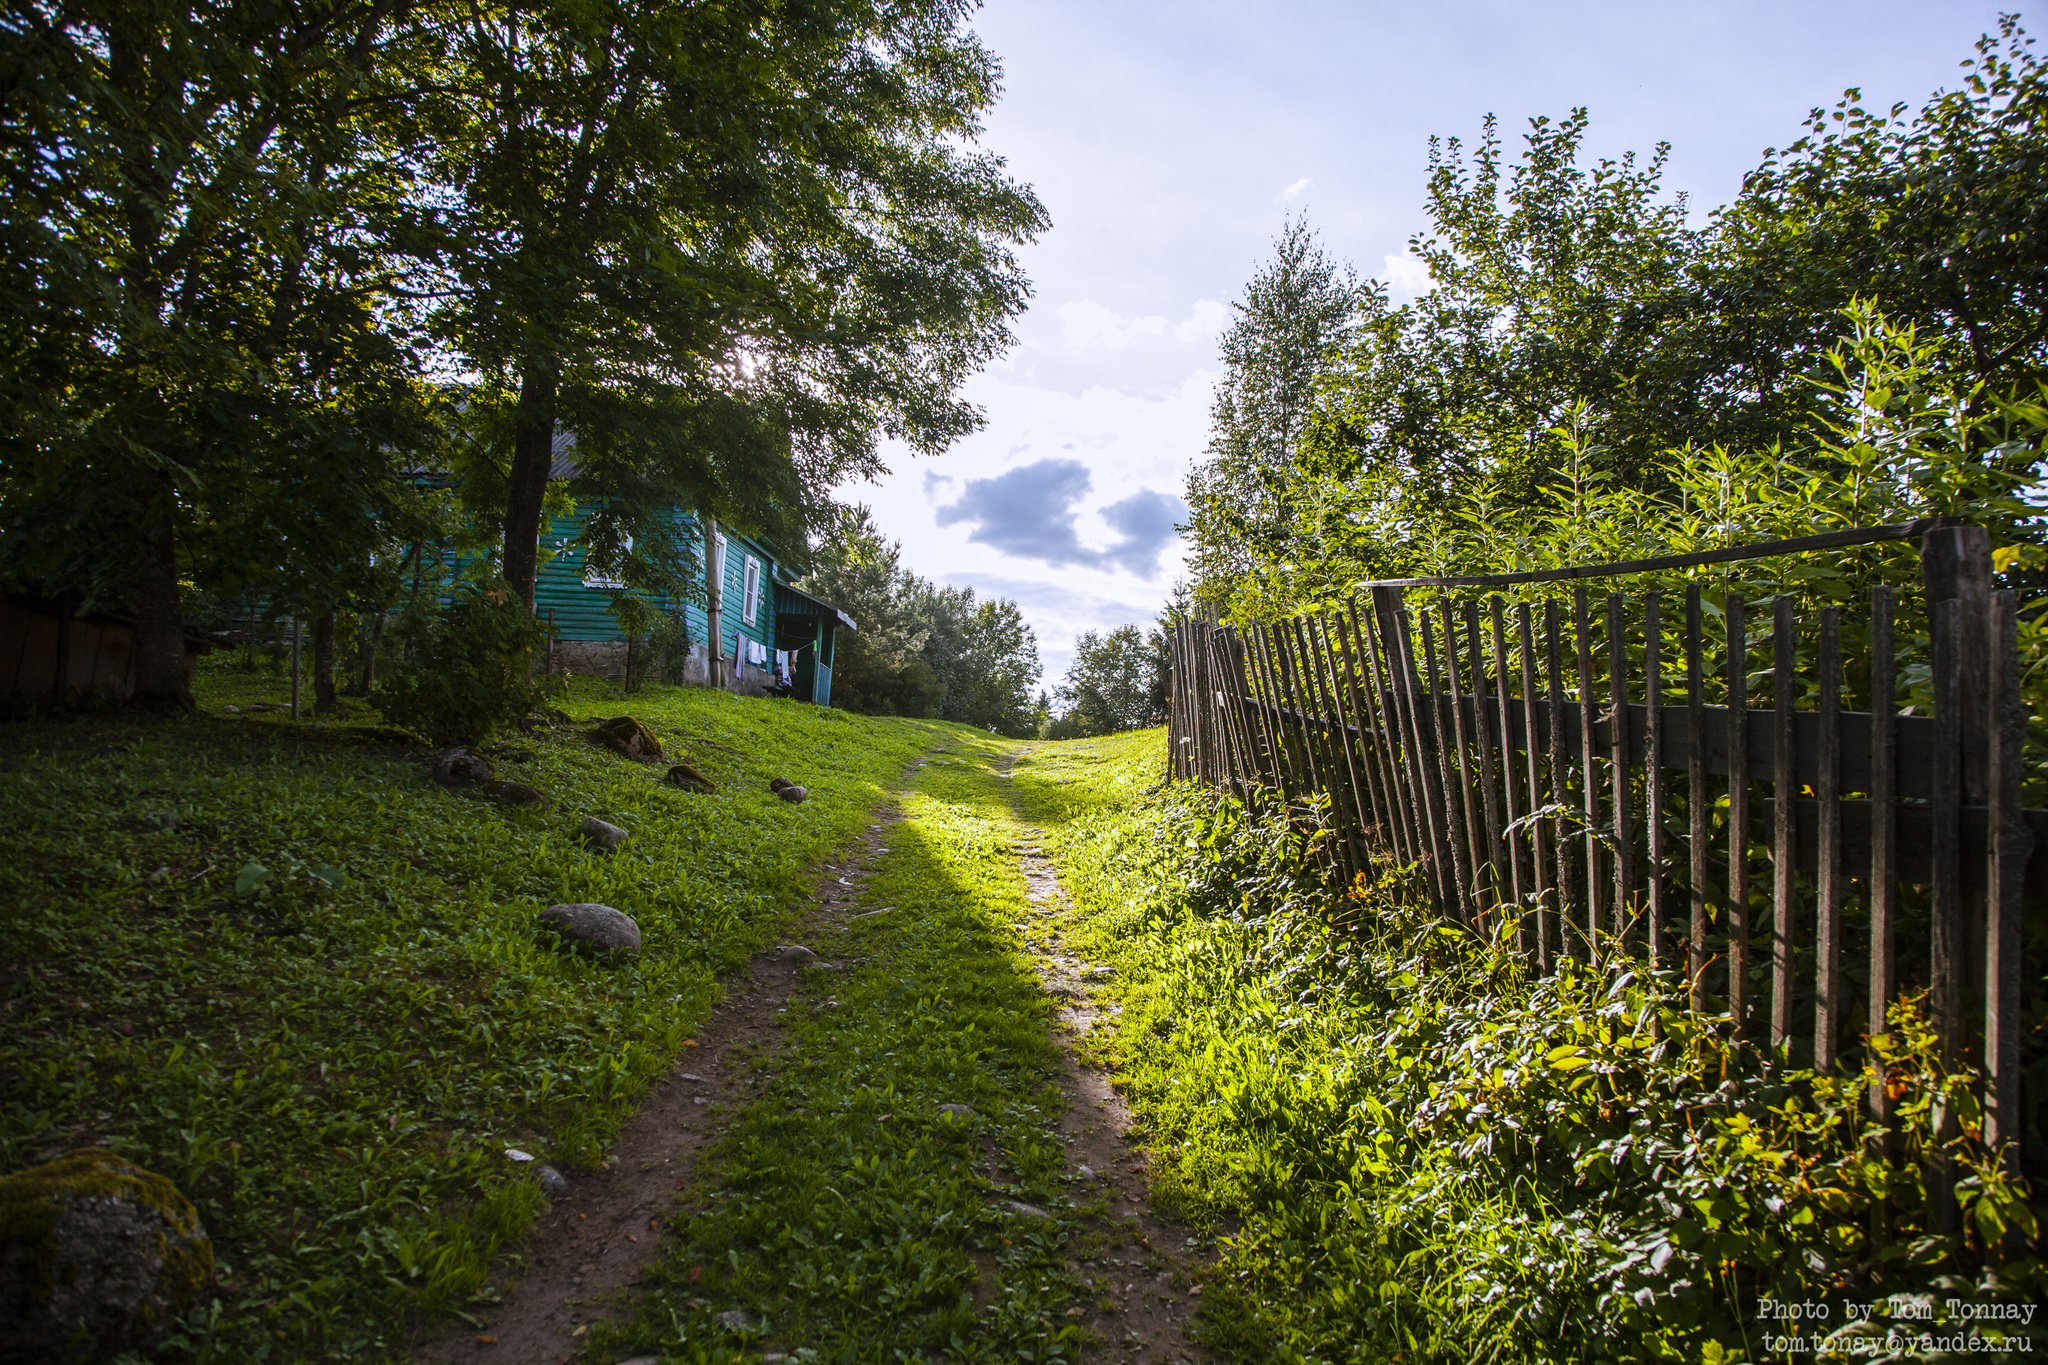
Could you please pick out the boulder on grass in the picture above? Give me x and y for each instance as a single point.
(97, 1256)
(776, 784)
(601, 836)
(457, 767)
(792, 794)
(629, 737)
(518, 794)
(594, 928)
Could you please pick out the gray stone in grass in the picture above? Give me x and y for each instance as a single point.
(776, 784)
(552, 1182)
(1026, 1210)
(455, 767)
(958, 1111)
(732, 1320)
(795, 952)
(792, 793)
(601, 836)
(597, 928)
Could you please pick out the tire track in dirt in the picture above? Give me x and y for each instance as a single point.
(1141, 1266)
(580, 1263)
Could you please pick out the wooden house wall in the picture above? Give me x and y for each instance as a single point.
(583, 613)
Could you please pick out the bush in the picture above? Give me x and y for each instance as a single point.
(466, 671)
(1426, 1152)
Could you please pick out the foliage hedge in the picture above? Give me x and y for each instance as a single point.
(1428, 1154)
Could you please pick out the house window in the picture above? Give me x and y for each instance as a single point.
(752, 600)
(718, 565)
(593, 578)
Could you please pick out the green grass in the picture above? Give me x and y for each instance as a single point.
(333, 1072)
(844, 1215)
(1420, 1153)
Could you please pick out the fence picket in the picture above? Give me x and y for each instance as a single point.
(1653, 779)
(1589, 770)
(1827, 935)
(1440, 765)
(1784, 810)
(1560, 785)
(1946, 970)
(1698, 810)
(1503, 693)
(1738, 815)
(1546, 894)
(1463, 767)
(1483, 744)
(1625, 909)
(1451, 788)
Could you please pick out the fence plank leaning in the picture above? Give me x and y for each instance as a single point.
(1363, 678)
(1589, 769)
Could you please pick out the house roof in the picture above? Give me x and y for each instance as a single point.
(796, 602)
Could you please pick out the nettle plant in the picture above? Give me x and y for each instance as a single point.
(1447, 1148)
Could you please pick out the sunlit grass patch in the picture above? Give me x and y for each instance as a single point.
(845, 1216)
(1419, 1150)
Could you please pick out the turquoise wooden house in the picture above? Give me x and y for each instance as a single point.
(771, 636)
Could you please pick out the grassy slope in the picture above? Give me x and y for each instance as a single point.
(333, 1074)
(847, 1218)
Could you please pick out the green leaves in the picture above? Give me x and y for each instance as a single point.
(1528, 1169)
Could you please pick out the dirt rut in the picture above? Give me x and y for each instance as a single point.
(1147, 1291)
(580, 1262)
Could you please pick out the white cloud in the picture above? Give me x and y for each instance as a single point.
(1203, 321)
(1088, 324)
(1406, 274)
(1296, 188)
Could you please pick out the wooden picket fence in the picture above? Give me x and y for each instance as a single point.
(1559, 763)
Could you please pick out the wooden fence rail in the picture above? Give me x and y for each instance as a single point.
(1571, 777)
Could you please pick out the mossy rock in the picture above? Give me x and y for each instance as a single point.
(630, 738)
(97, 1256)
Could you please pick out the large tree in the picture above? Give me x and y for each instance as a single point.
(196, 359)
(731, 247)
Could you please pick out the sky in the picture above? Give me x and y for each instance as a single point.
(1169, 142)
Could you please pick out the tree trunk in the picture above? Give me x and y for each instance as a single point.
(160, 620)
(368, 678)
(526, 489)
(323, 663)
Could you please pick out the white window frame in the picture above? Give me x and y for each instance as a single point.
(592, 581)
(750, 599)
(718, 569)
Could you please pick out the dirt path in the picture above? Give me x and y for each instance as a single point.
(1145, 1276)
(581, 1260)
